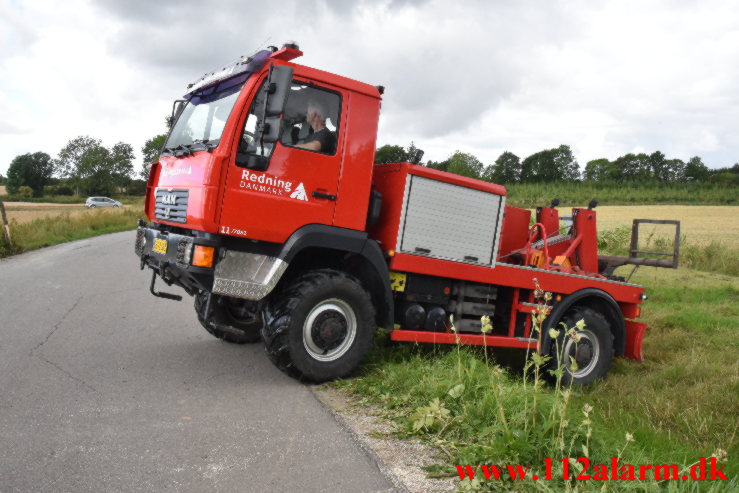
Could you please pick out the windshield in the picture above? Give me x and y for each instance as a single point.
(203, 119)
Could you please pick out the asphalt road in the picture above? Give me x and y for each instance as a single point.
(104, 387)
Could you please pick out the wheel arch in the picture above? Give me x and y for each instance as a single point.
(599, 301)
(319, 246)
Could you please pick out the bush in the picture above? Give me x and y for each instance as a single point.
(63, 190)
(25, 192)
(136, 187)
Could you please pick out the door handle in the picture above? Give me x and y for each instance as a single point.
(321, 195)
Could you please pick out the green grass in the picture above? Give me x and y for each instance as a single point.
(681, 403)
(62, 228)
(531, 195)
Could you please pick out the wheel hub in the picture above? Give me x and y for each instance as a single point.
(585, 353)
(329, 330)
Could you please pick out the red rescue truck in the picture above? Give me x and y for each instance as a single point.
(266, 206)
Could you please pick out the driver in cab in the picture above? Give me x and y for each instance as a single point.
(322, 139)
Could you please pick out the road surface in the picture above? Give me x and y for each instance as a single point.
(104, 387)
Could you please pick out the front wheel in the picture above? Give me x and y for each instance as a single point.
(320, 327)
(591, 349)
(233, 320)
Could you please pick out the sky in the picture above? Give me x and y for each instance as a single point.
(604, 77)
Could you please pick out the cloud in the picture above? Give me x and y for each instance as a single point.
(604, 77)
(16, 31)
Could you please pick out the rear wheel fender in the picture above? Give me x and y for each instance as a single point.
(597, 300)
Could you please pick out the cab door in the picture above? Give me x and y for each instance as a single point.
(298, 186)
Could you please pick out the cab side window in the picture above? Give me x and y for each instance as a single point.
(311, 119)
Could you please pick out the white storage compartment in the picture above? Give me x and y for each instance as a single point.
(450, 222)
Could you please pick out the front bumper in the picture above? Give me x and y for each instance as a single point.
(236, 273)
(173, 265)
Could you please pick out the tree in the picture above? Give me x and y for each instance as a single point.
(598, 170)
(150, 151)
(94, 169)
(551, 165)
(31, 170)
(438, 165)
(634, 167)
(462, 163)
(2, 179)
(121, 164)
(535, 166)
(675, 170)
(506, 169)
(695, 170)
(659, 167)
(390, 154)
(76, 158)
(566, 164)
(725, 176)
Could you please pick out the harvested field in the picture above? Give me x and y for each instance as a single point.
(698, 223)
(23, 212)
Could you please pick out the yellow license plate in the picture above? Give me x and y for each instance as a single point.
(160, 246)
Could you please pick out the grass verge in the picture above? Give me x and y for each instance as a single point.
(53, 230)
(678, 405)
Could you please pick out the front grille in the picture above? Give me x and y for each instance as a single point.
(171, 205)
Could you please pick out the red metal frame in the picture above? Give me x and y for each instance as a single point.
(516, 276)
(514, 233)
(634, 337)
(452, 338)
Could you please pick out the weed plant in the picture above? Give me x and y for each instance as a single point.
(476, 412)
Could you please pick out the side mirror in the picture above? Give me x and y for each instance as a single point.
(177, 107)
(270, 131)
(277, 87)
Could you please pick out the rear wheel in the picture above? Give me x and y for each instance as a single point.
(320, 327)
(592, 353)
(233, 320)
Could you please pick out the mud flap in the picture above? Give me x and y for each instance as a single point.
(634, 336)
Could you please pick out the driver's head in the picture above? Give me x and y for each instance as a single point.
(316, 113)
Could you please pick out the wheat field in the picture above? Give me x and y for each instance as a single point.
(698, 223)
(23, 212)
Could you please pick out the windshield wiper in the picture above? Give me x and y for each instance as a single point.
(167, 151)
(205, 145)
(182, 150)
